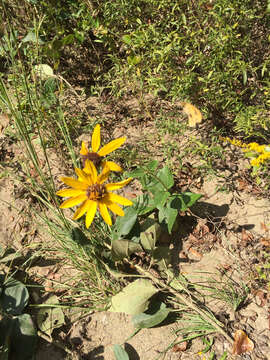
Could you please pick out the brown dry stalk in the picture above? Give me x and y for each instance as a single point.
(188, 301)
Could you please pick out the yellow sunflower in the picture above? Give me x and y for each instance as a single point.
(96, 155)
(90, 191)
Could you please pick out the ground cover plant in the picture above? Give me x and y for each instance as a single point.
(76, 80)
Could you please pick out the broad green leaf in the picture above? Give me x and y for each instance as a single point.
(161, 213)
(152, 166)
(122, 248)
(50, 318)
(150, 233)
(161, 198)
(124, 224)
(24, 337)
(120, 353)
(187, 200)
(144, 204)
(154, 187)
(134, 298)
(171, 215)
(44, 71)
(143, 320)
(162, 257)
(14, 297)
(139, 172)
(166, 177)
(31, 37)
(168, 213)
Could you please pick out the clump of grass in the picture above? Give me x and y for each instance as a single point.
(212, 55)
(36, 112)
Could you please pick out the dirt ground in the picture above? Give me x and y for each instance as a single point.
(231, 238)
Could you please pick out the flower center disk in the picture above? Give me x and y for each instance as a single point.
(94, 157)
(96, 192)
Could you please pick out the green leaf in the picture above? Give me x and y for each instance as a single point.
(144, 204)
(24, 338)
(134, 298)
(120, 353)
(152, 166)
(168, 213)
(160, 198)
(171, 215)
(161, 213)
(154, 187)
(162, 257)
(139, 172)
(50, 318)
(122, 248)
(166, 177)
(143, 320)
(14, 297)
(31, 37)
(124, 224)
(187, 200)
(150, 233)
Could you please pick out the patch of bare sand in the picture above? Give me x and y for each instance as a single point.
(98, 333)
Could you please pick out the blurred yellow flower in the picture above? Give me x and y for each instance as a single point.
(263, 151)
(96, 154)
(90, 191)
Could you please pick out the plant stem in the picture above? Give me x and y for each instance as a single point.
(187, 301)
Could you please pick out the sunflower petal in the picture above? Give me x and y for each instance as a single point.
(90, 170)
(90, 213)
(81, 210)
(111, 146)
(104, 175)
(115, 198)
(70, 192)
(83, 176)
(112, 166)
(84, 150)
(96, 138)
(75, 184)
(118, 185)
(73, 201)
(104, 212)
(115, 208)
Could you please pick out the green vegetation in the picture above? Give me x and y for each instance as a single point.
(161, 53)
